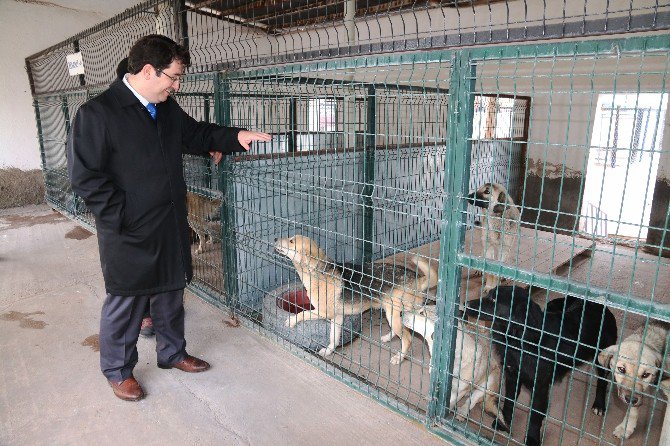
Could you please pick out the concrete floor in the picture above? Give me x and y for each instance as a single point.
(52, 391)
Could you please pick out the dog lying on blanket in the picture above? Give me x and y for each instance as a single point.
(476, 372)
(336, 290)
(499, 225)
(539, 348)
(638, 363)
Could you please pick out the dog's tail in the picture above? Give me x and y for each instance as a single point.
(429, 271)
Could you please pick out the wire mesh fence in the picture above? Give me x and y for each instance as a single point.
(466, 232)
(542, 235)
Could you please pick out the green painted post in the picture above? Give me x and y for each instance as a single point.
(40, 135)
(207, 163)
(452, 231)
(227, 186)
(369, 174)
(292, 142)
(65, 109)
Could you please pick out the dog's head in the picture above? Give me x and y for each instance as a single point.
(301, 250)
(492, 196)
(509, 308)
(635, 366)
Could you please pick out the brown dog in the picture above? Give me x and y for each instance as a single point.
(500, 224)
(337, 290)
(204, 217)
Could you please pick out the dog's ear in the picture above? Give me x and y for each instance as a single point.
(520, 291)
(663, 372)
(502, 200)
(605, 356)
(535, 316)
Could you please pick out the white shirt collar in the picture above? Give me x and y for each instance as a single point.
(137, 95)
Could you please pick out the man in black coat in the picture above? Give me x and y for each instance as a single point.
(125, 160)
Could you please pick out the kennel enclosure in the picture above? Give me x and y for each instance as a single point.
(385, 116)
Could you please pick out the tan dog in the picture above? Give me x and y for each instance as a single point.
(637, 364)
(477, 372)
(338, 290)
(204, 217)
(500, 225)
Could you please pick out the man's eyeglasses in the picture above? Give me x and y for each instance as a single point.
(174, 79)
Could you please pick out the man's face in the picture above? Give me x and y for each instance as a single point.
(165, 82)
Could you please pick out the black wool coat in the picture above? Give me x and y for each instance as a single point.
(128, 169)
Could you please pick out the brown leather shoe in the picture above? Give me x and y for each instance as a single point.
(189, 364)
(128, 389)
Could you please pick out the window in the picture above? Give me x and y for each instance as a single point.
(626, 135)
(321, 126)
(497, 117)
(322, 115)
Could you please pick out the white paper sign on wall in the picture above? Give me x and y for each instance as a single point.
(75, 64)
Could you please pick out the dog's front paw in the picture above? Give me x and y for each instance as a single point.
(462, 413)
(326, 351)
(598, 410)
(622, 431)
(387, 337)
(499, 425)
(290, 322)
(397, 358)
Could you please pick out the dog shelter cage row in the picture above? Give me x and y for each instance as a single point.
(385, 116)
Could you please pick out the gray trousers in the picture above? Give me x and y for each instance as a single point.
(120, 323)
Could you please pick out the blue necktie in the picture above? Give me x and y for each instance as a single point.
(152, 110)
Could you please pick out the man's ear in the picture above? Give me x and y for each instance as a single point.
(147, 71)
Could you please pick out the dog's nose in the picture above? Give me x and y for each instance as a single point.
(633, 400)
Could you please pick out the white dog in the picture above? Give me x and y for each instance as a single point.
(637, 364)
(477, 372)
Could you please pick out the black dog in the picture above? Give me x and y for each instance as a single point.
(539, 348)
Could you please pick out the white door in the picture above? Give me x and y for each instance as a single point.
(623, 160)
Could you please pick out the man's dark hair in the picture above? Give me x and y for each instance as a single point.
(158, 51)
(122, 68)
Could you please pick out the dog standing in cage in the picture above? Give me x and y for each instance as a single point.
(538, 348)
(638, 363)
(204, 217)
(477, 372)
(499, 225)
(337, 290)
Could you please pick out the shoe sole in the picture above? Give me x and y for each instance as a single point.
(167, 367)
(130, 399)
